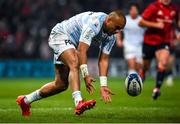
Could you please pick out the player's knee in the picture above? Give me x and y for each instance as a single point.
(74, 65)
(59, 86)
(65, 86)
(162, 66)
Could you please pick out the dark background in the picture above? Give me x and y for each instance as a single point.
(25, 24)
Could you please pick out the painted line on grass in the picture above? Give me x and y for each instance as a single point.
(36, 109)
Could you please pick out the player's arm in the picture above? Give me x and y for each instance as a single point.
(103, 64)
(147, 15)
(82, 51)
(178, 25)
(82, 55)
(119, 41)
(150, 24)
(85, 40)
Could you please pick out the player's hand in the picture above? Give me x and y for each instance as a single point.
(119, 44)
(160, 25)
(106, 94)
(178, 36)
(89, 84)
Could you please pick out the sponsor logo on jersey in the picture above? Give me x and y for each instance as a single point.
(88, 34)
(160, 12)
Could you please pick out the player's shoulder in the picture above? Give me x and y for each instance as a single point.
(96, 20)
(153, 6)
(175, 7)
(127, 16)
(98, 17)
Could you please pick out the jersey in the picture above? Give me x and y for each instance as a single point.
(86, 27)
(157, 12)
(133, 33)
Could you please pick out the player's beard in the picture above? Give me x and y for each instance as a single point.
(165, 3)
(105, 30)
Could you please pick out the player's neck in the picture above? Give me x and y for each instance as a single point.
(134, 17)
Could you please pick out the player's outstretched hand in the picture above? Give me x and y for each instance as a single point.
(89, 84)
(106, 94)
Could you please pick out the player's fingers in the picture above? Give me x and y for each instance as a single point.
(93, 87)
(93, 80)
(91, 91)
(110, 92)
(88, 89)
(109, 98)
(105, 99)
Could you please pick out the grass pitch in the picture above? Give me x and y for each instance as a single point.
(59, 108)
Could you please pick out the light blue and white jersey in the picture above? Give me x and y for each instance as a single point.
(86, 27)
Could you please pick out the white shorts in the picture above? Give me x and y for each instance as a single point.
(59, 42)
(133, 52)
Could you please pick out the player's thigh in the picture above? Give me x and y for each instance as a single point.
(70, 58)
(64, 50)
(148, 53)
(171, 60)
(132, 63)
(162, 56)
(61, 75)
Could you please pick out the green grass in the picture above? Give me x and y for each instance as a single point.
(60, 108)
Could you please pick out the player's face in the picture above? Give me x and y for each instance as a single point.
(133, 11)
(165, 2)
(114, 25)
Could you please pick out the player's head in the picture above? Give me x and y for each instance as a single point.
(114, 22)
(133, 10)
(165, 2)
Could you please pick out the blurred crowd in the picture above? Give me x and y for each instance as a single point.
(25, 24)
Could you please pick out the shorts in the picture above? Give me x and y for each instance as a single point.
(59, 42)
(150, 50)
(133, 52)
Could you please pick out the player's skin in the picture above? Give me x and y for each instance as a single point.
(132, 64)
(172, 57)
(68, 74)
(162, 55)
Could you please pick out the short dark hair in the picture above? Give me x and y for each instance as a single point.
(134, 4)
(118, 13)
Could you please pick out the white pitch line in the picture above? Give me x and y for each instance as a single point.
(36, 109)
(70, 109)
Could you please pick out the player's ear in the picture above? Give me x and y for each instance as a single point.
(107, 21)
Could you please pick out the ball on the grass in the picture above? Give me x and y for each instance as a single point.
(133, 84)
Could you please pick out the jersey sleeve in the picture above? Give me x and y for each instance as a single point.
(89, 31)
(87, 34)
(107, 45)
(149, 12)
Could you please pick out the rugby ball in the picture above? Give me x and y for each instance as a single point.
(133, 84)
